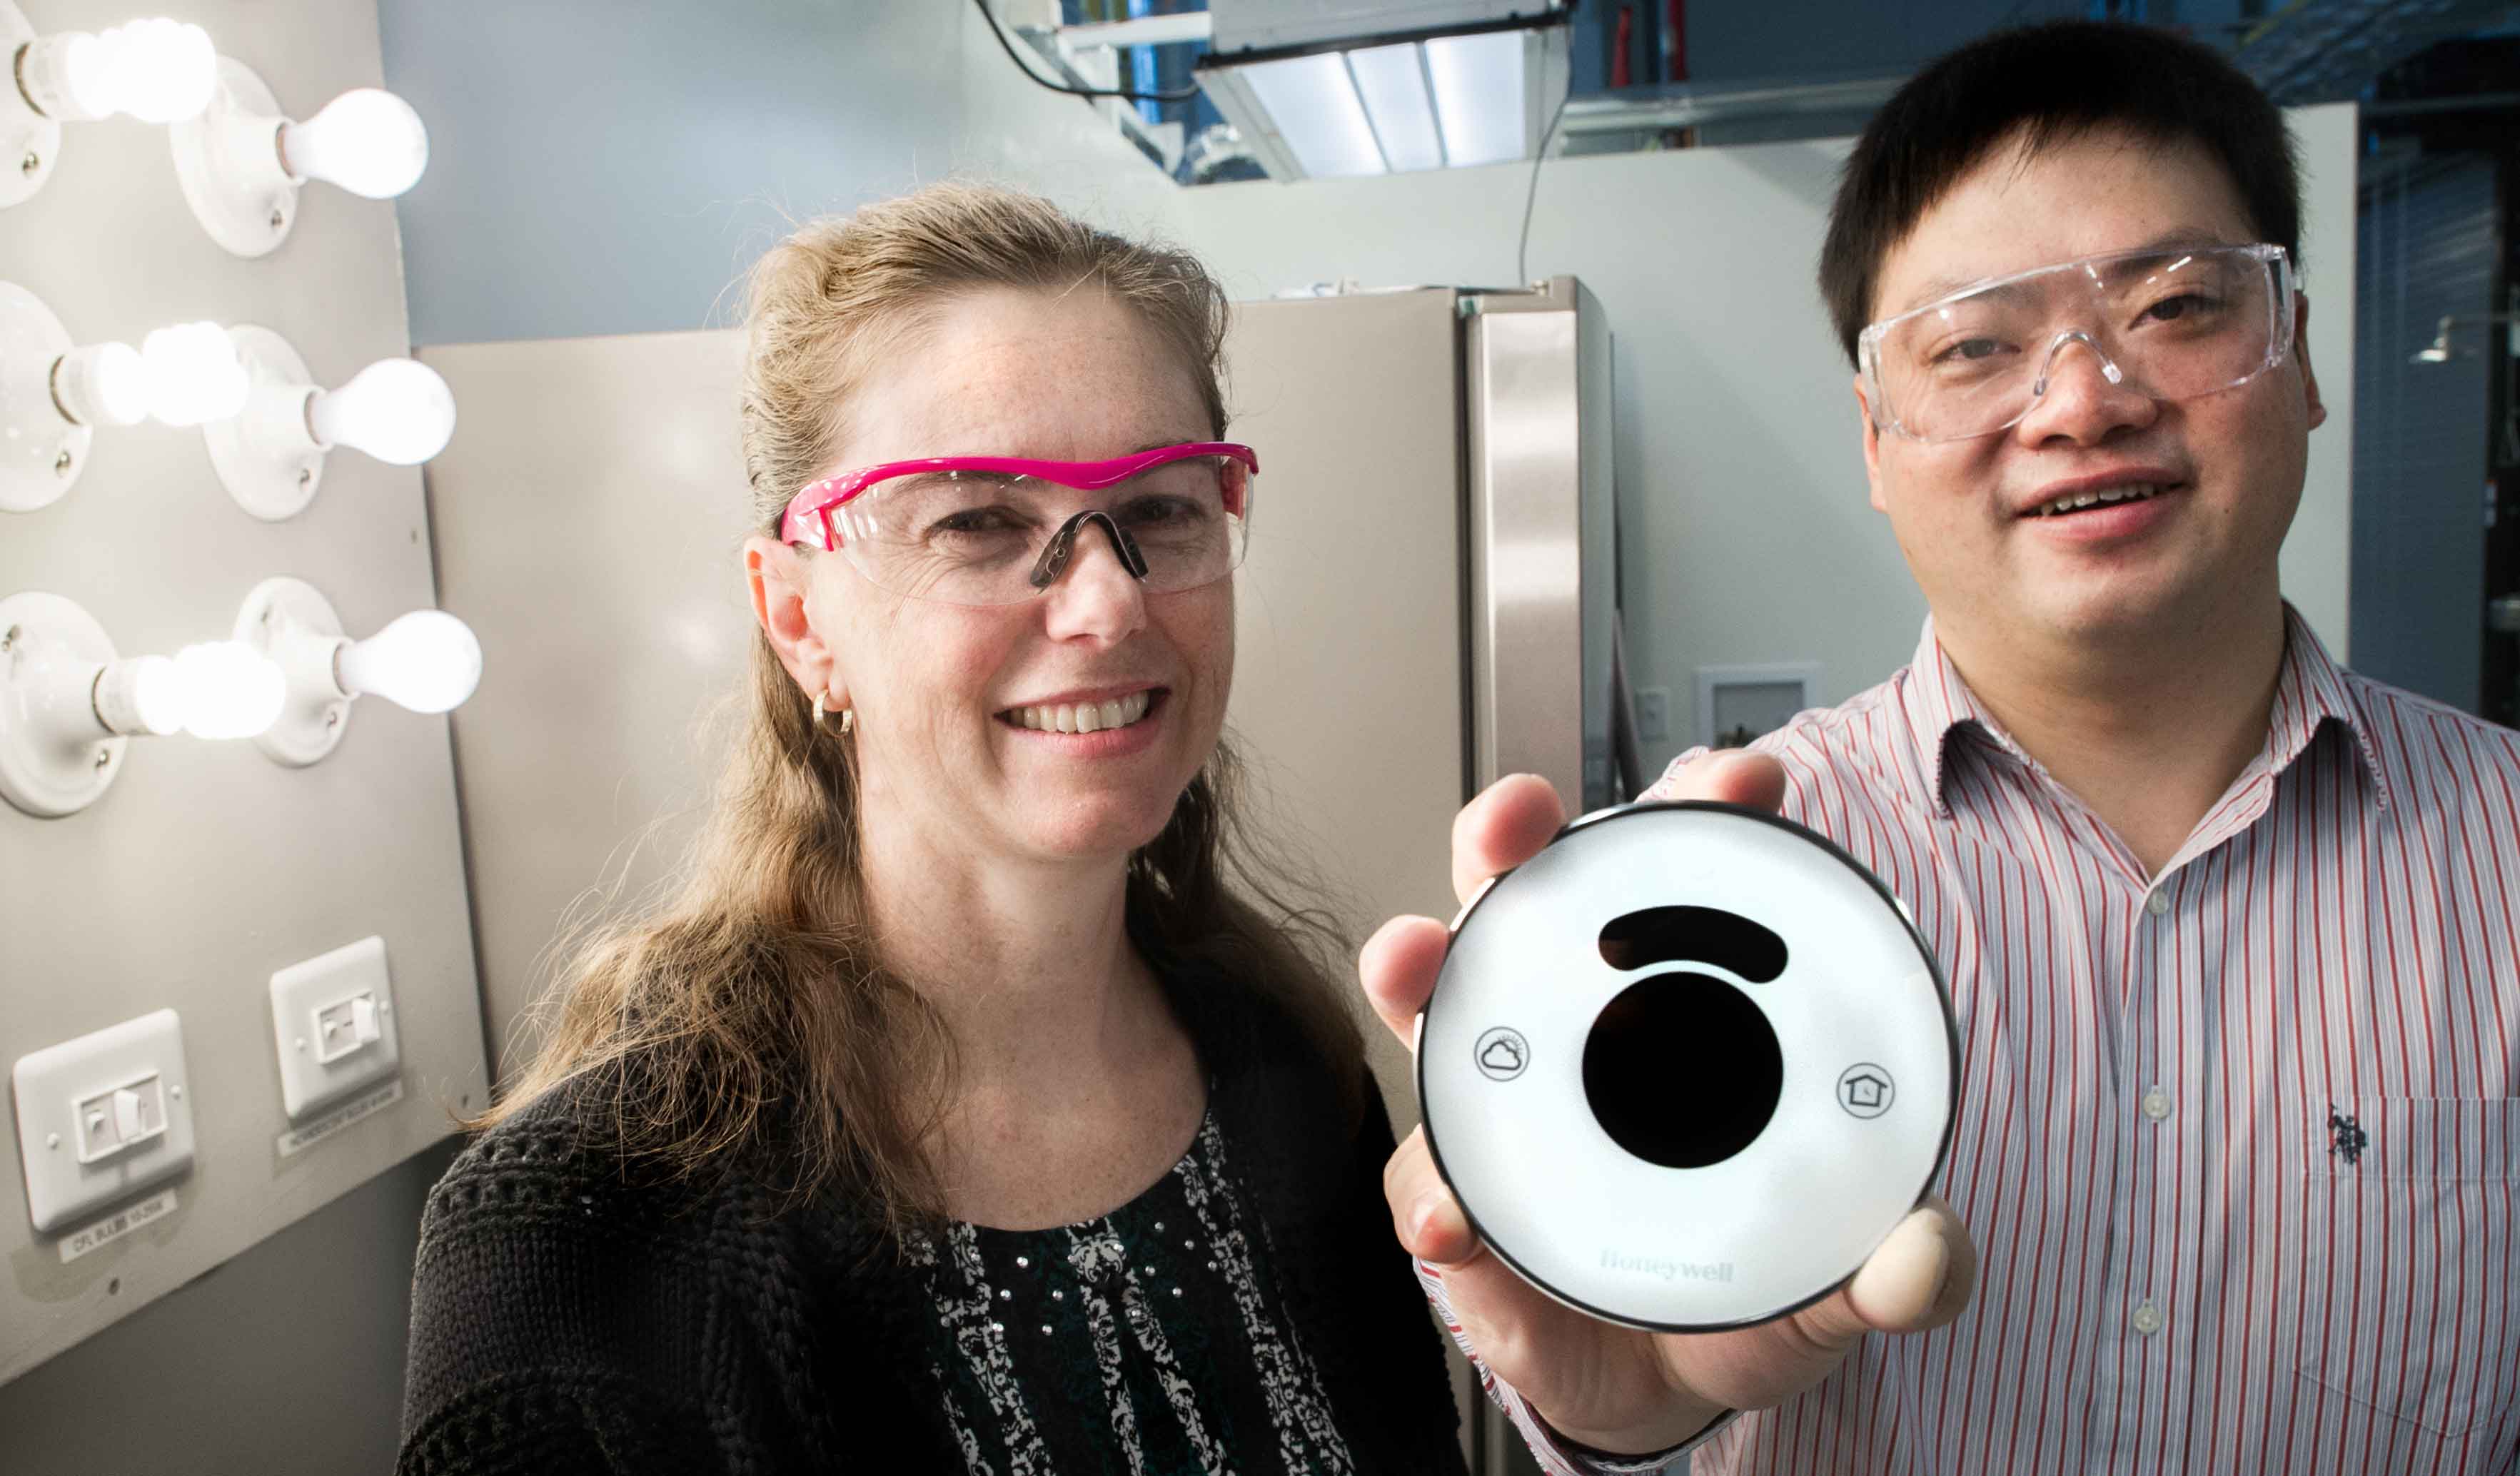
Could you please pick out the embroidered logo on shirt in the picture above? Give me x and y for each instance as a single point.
(2346, 1138)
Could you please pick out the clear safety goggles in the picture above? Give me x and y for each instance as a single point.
(2172, 323)
(1000, 530)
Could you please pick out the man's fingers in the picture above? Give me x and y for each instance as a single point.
(1504, 827)
(1733, 777)
(1398, 965)
(1920, 1277)
(1425, 1215)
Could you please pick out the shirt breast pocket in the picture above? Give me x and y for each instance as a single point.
(2411, 1301)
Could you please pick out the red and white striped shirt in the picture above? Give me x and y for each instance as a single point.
(2239, 1144)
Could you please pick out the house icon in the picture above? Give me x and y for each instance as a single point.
(1865, 1090)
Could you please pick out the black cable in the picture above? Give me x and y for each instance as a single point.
(1181, 96)
(1522, 252)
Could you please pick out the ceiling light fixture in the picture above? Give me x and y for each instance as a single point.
(1324, 98)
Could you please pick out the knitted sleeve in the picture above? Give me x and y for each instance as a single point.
(558, 1322)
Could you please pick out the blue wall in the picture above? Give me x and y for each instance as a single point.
(609, 167)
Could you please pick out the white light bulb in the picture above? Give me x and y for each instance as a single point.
(366, 141)
(158, 692)
(396, 410)
(227, 690)
(428, 661)
(102, 384)
(121, 382)
(192, 373)
(158, 72)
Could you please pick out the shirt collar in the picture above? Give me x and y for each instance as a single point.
(2310, 692)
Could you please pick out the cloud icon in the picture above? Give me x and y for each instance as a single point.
(1502, 1055)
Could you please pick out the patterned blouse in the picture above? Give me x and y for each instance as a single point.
(1151, 1340)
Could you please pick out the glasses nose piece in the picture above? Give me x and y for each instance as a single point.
(1055, 553)
(2048, 370)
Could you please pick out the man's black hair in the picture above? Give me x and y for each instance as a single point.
(2046, 85)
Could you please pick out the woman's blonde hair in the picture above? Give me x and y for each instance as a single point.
(753, 1016)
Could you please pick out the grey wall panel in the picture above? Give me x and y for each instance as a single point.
(287, 1361)
(589, 520)
(208, 866)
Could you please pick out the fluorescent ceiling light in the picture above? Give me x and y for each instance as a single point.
(1479, 96)
(1393, 83)
(1317, 111)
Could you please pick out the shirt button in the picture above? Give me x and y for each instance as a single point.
(2158, 903)
(2147, 1318)
(2156, 1103)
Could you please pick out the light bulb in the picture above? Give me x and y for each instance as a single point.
(102, 384)
(367, 141)
(120, 378)
(158, 695)
(192, 373)
(158, 72)
(396, 410)
(227, 690)
(428, 661)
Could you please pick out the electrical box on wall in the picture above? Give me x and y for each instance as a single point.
(334, 1024)
(101, 1118)
(1737, 704)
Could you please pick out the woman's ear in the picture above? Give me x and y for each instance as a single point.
(779, 578)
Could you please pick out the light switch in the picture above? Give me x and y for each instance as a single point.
(344, 1027)
(126, 1114)
(333, 1021)
(101, 1118)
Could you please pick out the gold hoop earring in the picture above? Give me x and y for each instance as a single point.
(848, 715)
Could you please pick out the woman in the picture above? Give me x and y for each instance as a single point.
(955, 1111)
(955, 1116)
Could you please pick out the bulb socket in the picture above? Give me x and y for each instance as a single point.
(275, 421)
(44, 76)
(79, 389)
(120, 704)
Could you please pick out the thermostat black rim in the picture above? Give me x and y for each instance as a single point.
(1916, 938)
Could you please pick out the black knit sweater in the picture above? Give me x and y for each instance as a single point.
(573, 1314)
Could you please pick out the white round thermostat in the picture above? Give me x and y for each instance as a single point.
(1688, 1067)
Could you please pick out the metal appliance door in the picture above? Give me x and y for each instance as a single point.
(1542, 547)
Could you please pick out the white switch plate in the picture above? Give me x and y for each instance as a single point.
(333, 1022)
(1653, 714)
(144, 1056)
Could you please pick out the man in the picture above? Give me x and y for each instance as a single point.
(2230, 931)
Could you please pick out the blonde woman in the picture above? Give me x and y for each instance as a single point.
(958, 1115)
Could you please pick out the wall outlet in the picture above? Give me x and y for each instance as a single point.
(1653, 714)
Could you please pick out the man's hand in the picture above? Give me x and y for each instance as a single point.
(1615, 1388)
